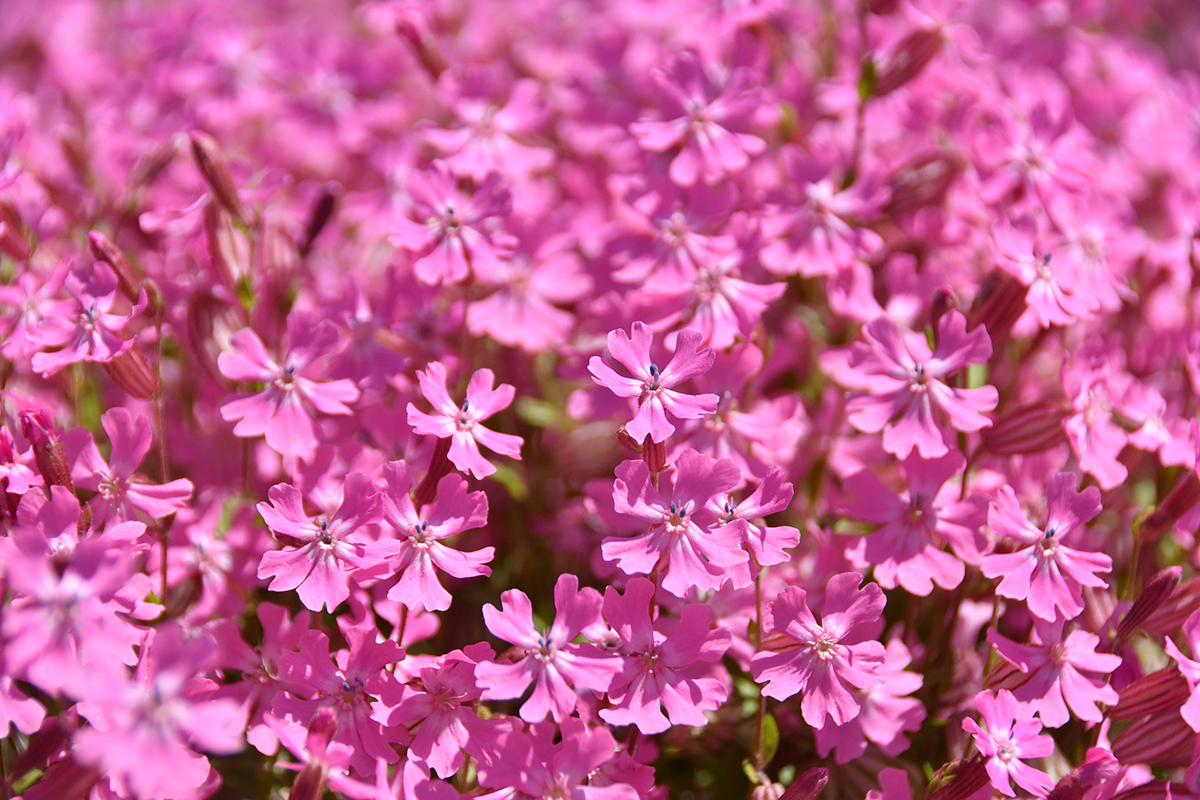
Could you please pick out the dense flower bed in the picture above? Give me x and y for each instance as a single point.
(603, 399)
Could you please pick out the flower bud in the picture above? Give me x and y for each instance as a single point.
(1178, 502)
(1175, 610)
(47, 449)
(310, 783)
(943, 302)
(882, 7)
(227, 246)
(912, 54)
(1032, 428)
(807, 785)
(1152, 694)
(153, 161)
(322, 212)
(628, 442)
(104, 250)
(923, 182)
(1162, 740)
(439, 467)
(215, 167)
(959, 780)
(654, 454)
(12, 239)
(1099, 765)
(411, 25)
(211, 321)
(1156, 790)
(998, 305)
(1156, 592)
(131, 372)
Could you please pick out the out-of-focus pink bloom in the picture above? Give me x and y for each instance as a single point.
(1047, 574)
(280, 411)
(26, 302)
(675, 672)
(821, 659)
(551, 659)
(653, 387)
(23, 712)
(1055, 666)
(902, 378)
(318, 567)
(461, 424)
(1007, 737)
(449, 237)
(121, 490)
(91, 331)
(681, 540)
(1091, 431)
(710, 150)
(914, 526)
(1056, 296)
(419, 548)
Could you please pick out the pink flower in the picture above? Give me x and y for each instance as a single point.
(907, 548)
(901, 377)
(676, 672)
(1190, 669)
(1055, 667)
(551, 659)
(1091, 430)
(710, 151)
(767, 545)
(681, 539)
(449, 238)
(1047, 574)
(1056, 295)
(121, 490)
(1006, 737)
(318, 567)
(419, 549)
(652, 387)
(281, 410)
(821, 659)
(461, 425)
(91, 332)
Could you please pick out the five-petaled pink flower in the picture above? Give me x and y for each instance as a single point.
(1047, 574)
(461, 424)
(819, 659)
(1005, 738)
(279, 411)
(319, 564)
(654, 387)
(903, 386)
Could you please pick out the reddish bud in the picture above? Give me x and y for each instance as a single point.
(912, 54)
(1156, 592)
(1026, 429)
(210, 323)
(807, 785)
(227, 246)
(104, 250)
(628, 442)
(654, 454)
(998, 305)
(959, 780)
(1175, 610)
(882, 7)
(310, 783)
(153, 161)
(1162, 741)
(1181, 499)
(439, 467)
(319, 216)
(65, 780)
(1153, 694)
(923, 182)
(1099, 765)
(943, 302)
(12, 239)
(1157, 790)
(215, 167)
(131, 372)
(410, 24)
(280, 256)
(47, 449)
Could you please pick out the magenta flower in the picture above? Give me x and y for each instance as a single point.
(281, 410)
(1047, 574)
(461, 425)
(1056, 668)
(907, 548)
(1092, 432)
(320, 556)
(1190, 669)
(450, 238)
(121, 490)
(551, 659)
(904, 391)
(1006, 738)
(822, 659)
(419, 549)
(675, 672)
(681, 539)
(654, 388)
(91, 331)
(766, 545)
(1056, 295)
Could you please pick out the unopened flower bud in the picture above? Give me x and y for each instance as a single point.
(1026, 429)
(807, 785)
(131, 372)
(322, 729)
(1152, 694)
(1161, 740)
(51, 739)
(153, 161)
(912, 54)
(310, 783)
(654, 454)
(923, 182)
(959, 780)
(280, 256)
(104, 250)
(411, 25)
(227, 246)
(47, 449)
(882, 7)
(1156, 790)
(439, 467)
(1178, 502)
(12, 239)
(211, 322)
(1099, 765)
(181, 596)
(1156, 592)
(322, 212)
(628, 442)
(1175, 610)
(998, 305)
(215, 167)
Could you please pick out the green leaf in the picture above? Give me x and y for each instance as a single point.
(538, 413)
(770, 742)
(513, 481)
(866, 81)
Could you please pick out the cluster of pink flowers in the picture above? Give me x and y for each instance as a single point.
(599, 400)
